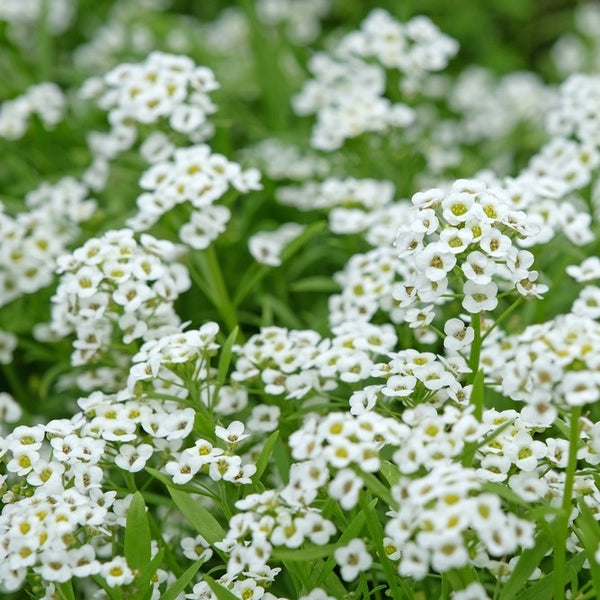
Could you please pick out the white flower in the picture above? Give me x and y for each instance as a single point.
(233, 434)
(458, 335)
(116, 572)
(353, 559)
(479, 297)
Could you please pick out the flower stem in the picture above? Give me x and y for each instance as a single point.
(560, 549)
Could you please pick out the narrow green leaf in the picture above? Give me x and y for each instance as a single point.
(137, 534)
(352, 531)
(504, 492)
(142, 582)
(317, 283)
(182, 582)
(376, 532)
(303, 554)
(588, 532)
(376, 487)
(542, 589)
(390, 471)
(526, 565)
(65, 589)
(281, 457)
(220, 592)
(200, 518)
(225, 358)
(265, 454)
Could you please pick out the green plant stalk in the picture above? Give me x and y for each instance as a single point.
(475, 348)
(503, 316)
(560, 549)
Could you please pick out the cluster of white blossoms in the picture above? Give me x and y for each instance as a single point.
(491, 108)
(587, 303)
(220, 464)
(300, 18)
(116, 288)
(55, 518)
(191, 175)
(163, 87)
(164, 360)
(335, 192)
(280, 160)
(549, 365)
(266, 246)
(22, 15)
(299, 362)
(348, 90)
(45, 100)
(575, 111)
(441, 514)
(32, 240)
(464, 238)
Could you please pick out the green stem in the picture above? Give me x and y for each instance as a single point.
(503, 316)
(560, 549)
(475, 347)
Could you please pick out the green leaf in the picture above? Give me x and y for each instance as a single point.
(65, 589)
(220, 592)
(200, 518)
(225, 358)
(390, 471)
(526, 565)
(376, 532)
(376, 487)
(317, 283)
(137, 534)
(588, 532)
(352, 531)
(265, 454)
(504, 492)
(143, 580)
(307, 554)
(182, 582)
(281, 457)
(543, 588)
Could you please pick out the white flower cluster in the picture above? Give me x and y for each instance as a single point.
(31, 241)
(197, 176)
(10, 411)
(21, 15)
(553, 364)
(335, 192)
(575, 113)
(587, 303)
(46, 100)
(164, 86)
(467, 232)
(298, 362)
(546, 191)
(301, 18)
(218, 463)
(347, 93)
(161, 359)
(115, 285)
(279, 160)
(265, 521)
(491, 108)
(55, 516)
(266, 246)
(437, 516)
